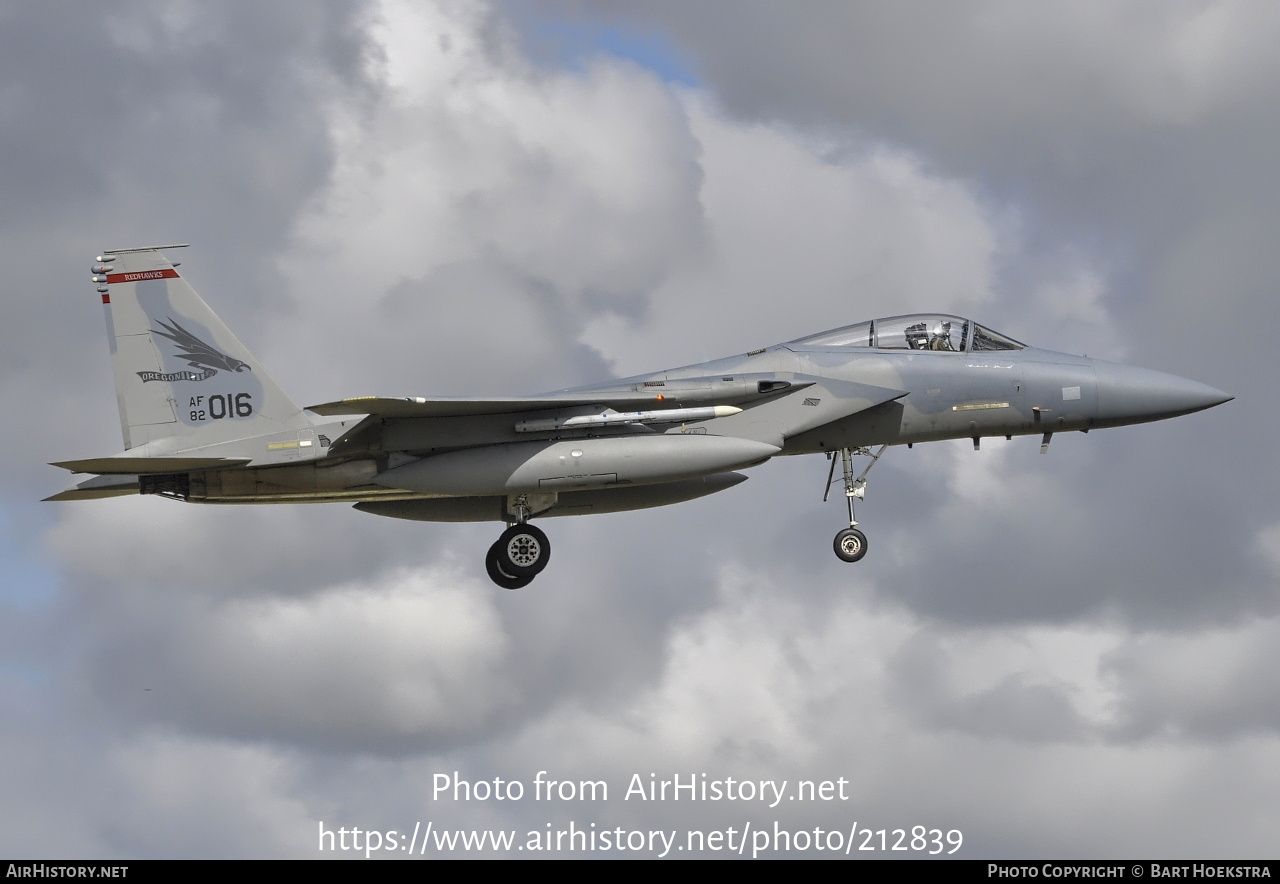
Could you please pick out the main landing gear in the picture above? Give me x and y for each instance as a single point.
(851, 544)
(520, 553)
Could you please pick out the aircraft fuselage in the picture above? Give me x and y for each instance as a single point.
(203, 421)
(949, 395)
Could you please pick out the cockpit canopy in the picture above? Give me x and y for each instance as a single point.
(916, 331)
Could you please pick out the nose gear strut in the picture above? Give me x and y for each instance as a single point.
(851, 544)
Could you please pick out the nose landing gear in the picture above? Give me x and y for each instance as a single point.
(851, 544)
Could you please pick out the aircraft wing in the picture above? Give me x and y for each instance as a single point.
(461, 406)
(630, 397)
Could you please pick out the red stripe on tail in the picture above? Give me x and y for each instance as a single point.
(140, 275)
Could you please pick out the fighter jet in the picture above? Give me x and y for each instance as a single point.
(204, 422)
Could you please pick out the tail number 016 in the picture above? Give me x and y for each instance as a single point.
(220, 406)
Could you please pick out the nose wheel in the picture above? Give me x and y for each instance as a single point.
(851, 544)
(518, 556)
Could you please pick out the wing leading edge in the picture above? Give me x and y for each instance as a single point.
(458, 406)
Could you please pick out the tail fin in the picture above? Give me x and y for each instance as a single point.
(179, 371)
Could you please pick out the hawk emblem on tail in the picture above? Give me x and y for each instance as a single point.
(198, 354)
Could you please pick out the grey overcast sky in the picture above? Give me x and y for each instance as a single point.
(1070, 655)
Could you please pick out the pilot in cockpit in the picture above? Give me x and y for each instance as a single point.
(940, 336)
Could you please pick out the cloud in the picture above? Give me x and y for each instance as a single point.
(416, 657)
(481, 211)
(804, 237)
(1008, 733)
(1212, 685)
(962, 76)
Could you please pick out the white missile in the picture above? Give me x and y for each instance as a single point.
(611, 418)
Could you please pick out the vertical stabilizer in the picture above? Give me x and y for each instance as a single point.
(181, 375)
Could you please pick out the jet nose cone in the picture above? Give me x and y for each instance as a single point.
(1132, 395)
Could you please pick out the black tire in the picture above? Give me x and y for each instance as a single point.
(523, 551)
(851, 544)
(506, 581)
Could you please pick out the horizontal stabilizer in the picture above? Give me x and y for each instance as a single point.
(149, 465)
(99, 487)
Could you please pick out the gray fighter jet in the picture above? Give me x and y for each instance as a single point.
(204, 422)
